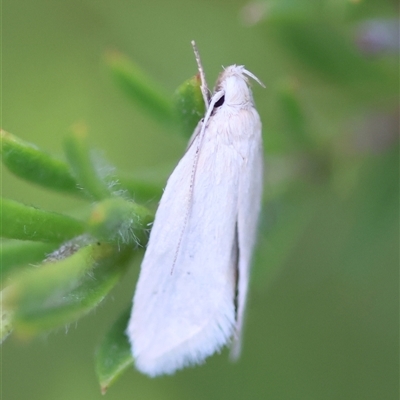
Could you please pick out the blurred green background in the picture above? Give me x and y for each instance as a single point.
(322, 319)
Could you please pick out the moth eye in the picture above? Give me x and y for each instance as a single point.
(219, 102)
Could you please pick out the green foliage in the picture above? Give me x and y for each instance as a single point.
(189, 105)
(17, 253)
(83, 167)
(28, 162)
(28, 223)
(85, 257)
(61, 291)
(141, 88)
(120, 221)
(114, 355)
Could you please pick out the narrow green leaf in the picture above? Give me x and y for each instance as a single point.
(19, 221)
(80, 160)
(121, 221)
(114, 355)
(32, 164)
(142, 89)
(16, 253)
(60, 292)
(189, 104)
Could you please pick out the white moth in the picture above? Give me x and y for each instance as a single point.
(191, 293)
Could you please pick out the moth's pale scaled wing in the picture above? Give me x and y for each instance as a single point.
(184, 312)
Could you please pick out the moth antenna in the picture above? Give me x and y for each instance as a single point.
(204, 88)
(248, 73)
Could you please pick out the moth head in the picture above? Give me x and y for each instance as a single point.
(234, 86)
